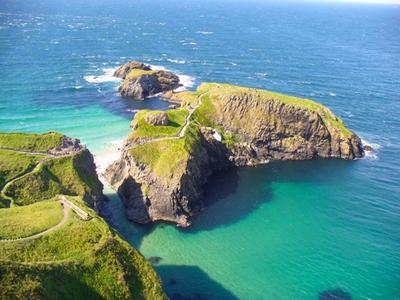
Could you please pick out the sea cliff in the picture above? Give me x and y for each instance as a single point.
(163, 168)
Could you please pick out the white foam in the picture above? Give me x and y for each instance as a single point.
(205, 32)
(107, 76)
(156, 68)
(332, 94)
(262, 74)
(186, 80)
(374, 153)
(177, 61)
(109, 155)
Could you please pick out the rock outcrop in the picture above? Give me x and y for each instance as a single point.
(140, 81)
(230, 126)
(157, 119)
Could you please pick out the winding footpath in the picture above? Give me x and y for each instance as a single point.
(47, 156)
(66, 210)
(182, 132)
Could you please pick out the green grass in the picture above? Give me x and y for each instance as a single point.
(65, 175)
(165, 158)
(168, 158)
(28, 220)
(30, 141)
(13, 164)
(135, 73)
(81, 260)
(176, 119)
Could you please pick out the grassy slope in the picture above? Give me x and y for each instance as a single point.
(176, 119)
(28, 220)
(135, 73)
(13, 164)
(64, 175)
(168, 158)
(82, 260)
(30, 141)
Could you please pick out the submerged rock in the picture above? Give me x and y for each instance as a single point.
(162, 179)
(336, 294)
(140, 81)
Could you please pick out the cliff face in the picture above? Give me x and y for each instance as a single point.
(140, 81)
(230, 126)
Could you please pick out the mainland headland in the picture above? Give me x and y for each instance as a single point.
(169, 155)
(53, 243)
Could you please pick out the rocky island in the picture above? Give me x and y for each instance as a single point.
(53, 244)
(140, 81)
(169, 155)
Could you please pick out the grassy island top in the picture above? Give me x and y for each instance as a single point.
(135, 73)
(176, 119)
(30, 141)
(79, 260)
(168, 157)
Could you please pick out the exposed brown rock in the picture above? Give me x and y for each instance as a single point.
(157, 119)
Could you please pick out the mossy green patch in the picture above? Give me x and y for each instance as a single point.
(168, 158)
(30, 141)
(142, 129)
(135, 73)
(28, 220)
(13, 164)
(81, 260)
(165, 158)
(65, 175)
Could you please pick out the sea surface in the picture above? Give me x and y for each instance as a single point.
(288, 230)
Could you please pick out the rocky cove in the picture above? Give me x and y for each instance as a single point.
(169, 155)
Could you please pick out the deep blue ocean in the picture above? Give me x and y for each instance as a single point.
(288, 230)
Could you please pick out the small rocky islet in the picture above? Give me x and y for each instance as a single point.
(169, 155)
(141, 81)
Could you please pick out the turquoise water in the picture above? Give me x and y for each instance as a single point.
(288, 230)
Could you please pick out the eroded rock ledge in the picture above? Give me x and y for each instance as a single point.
(140, 81)
(162, 169)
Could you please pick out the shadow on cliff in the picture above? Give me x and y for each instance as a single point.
(233, 194)
(191, 283)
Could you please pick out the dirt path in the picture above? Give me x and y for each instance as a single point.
(29, 152)
(182, 132)
(66, 210)
(47, 157)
